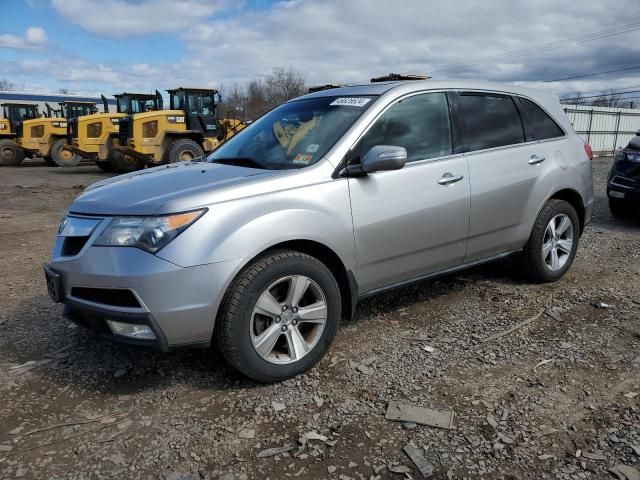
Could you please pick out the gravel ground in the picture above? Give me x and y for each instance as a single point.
(554, 399)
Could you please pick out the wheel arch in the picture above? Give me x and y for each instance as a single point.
(173, 135)
(573, 198)
(344, 277)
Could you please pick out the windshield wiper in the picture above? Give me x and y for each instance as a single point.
(241, 162)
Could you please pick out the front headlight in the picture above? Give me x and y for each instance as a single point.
(147, 233)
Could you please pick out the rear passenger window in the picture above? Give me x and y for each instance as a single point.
(489, 121)
(419, 123)
(537, 124)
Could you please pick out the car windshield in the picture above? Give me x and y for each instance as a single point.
(294, 135)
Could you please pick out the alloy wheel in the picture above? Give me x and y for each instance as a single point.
(557, 243)
(288, 319)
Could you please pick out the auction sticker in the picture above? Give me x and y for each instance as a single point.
(303, 158)
(350, 101)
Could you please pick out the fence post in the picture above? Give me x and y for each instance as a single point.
(615, 136)
(589, 128)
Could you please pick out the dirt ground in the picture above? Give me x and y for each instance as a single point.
(554, 399)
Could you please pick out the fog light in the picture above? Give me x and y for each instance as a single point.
(131, 330)
(614, 194)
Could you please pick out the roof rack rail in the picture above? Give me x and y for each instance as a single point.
(319, 88)
(394, 77)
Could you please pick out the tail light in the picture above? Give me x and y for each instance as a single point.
(588, 151)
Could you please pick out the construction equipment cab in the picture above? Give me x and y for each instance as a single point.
(94, 136)
(46, 136)
(13, 114)
(186, 131)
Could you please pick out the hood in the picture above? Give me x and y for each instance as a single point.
(100, 116)
(145, 191)
(56, 122)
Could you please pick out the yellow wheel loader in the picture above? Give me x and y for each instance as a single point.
(46, 136)
(94, 136)
(13, 115)
(188, 130)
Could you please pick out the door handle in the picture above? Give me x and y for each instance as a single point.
(448, 179)
(535, 160)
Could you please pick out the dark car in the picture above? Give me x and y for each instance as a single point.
(623, 187)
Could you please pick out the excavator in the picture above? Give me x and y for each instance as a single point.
(13, 114)
(94, 136)
(47, 135)
(189, 129)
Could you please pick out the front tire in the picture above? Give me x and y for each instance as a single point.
(10, 153)
(279, 316)
(63, 158)
(553, 242)
(184, 150)
(125, 163)
(104, 165)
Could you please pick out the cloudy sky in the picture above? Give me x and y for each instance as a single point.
(90, 46)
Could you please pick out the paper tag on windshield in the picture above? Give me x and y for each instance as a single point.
(350, 101)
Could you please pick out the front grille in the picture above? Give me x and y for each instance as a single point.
(116, 297)
(73, 245)
(125, 130)
(627, 182)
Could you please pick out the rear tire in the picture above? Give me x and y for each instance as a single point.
(104, 165)
(49, 161)
(184, 150)
(553, 243)
(10, 153)
(619, 208)
(308, 323)
(124, 163)
(64, 158)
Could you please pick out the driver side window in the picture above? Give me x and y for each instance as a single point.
(419, 123)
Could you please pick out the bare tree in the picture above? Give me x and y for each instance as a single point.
(6, 84)
(283, 85)
(63, 91)
(256, 99)
(610, 99)
(249, 101)
(234, 102)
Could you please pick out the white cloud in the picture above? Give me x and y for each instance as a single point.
(335, 41)
(121, 18)
(33, 37)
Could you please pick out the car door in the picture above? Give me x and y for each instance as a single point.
(413, 221)
(509, 176)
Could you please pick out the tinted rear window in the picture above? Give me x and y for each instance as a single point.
(537, 124)
(489, 121)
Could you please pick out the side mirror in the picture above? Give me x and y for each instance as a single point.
(384, 157)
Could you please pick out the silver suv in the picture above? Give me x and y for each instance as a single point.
(263, 246)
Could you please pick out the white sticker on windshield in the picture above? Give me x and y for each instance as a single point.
(350, 101)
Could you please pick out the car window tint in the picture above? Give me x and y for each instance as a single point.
(537, 124)
(489, 121)
(419, 123)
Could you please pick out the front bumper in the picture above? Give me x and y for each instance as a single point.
(626, 189)
(179, 304)
(95, 318)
